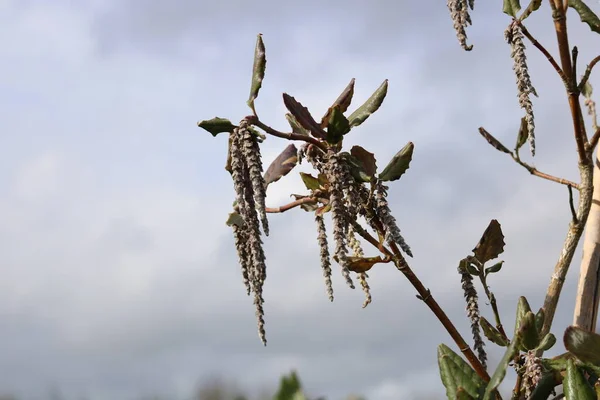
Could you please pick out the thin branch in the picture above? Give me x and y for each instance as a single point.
(574, 54)
(534, 171)
(285, 135)
(293, 204)
(594, 139)
(546, 53)
(588, 71)
(571, 205)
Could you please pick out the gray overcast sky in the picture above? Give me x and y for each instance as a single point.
(118, 273)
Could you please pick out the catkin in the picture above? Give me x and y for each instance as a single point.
(472, 308)
(533, 373)
(325, 258)
(392, 232)
(459, 12)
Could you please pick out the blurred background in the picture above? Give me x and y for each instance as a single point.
(119, 278)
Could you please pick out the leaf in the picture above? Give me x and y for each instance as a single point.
(491, 244)
(337, 126)
(586, 14)
(343, 102)
(310, 181)
(323, 209)
(398, 164)
(494, 268)
(303, 116)
(258, 71)
(235, 219)
(362, 264)
(367, 159)
(493, 141)
(282, 165)
(296, 128)
(217, 125)
(357, 169)
(370, 106)
(547, 342)
(511, 7)
(583, 344)
(575, 386)
(522, 135)
(456, 373)
(587, 89)
(545, 387)
(522, 309)
(500, 372)
(533, 6)
(539, 319)
(530, 337)
(462, 394)
(492, 333)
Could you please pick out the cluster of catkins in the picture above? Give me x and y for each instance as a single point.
(348, 199)
(250, 190)
(459, 12)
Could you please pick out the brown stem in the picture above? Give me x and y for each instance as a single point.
(534, 171)
(594, 140)
(588, 71)
(545, 52)
(252, 119)
(293, 204)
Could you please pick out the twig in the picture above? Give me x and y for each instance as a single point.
(574, 54)
(571, 205)
(545, 52)
(588, 71)
(293, 204)
(252, 119)
(594, 139)
(534, 171)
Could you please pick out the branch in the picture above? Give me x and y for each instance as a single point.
(594, 139)
(293, 204)
(587, 73)
(285, 135)
(534, 171)
(545, 52)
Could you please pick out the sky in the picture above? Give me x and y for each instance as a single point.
(119, 275)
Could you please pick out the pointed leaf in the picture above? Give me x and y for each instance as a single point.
(258, 71)
(357, 169)
(533, 6)
(456, 373)
(529, 334)
(398, 164)
(547, 342)
(575, 386)
(511, 7)
(522, 309)
(493, 141)
(522, 135)
(539, 319)
(370, 106)
(282, 165)
(303, 116)
(362, 264)
(586, 14)
(492, 333)
(296, 127)
(366, 158)
(342, 102)
(500, 372)
(217, 125)
(337, 126)
(494, 268)
(491, 244)
(583, 344)
(310, 181)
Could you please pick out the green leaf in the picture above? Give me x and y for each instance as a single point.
(583, 344)
(586, 14)
(357, 169)
(398, 164)
(303, 116)
(511, 7)
(310, 181)
(258, 71)
(533, 6)
(235, 219)
(530, 337)
(500, 373)
(342, 102)
(472, 269)
(494, 268)
(456, 373)
(296, 127)
(370, 106)
(544, 387)
(367, 159)
(522, 309)
(217, 125)
(337, 126)
(493, 141)
(282, 165)
(539, 319)
(462, 394)
(492, 333)
(575, 386)
(522, 135)
(288, 387)
(547, 342)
